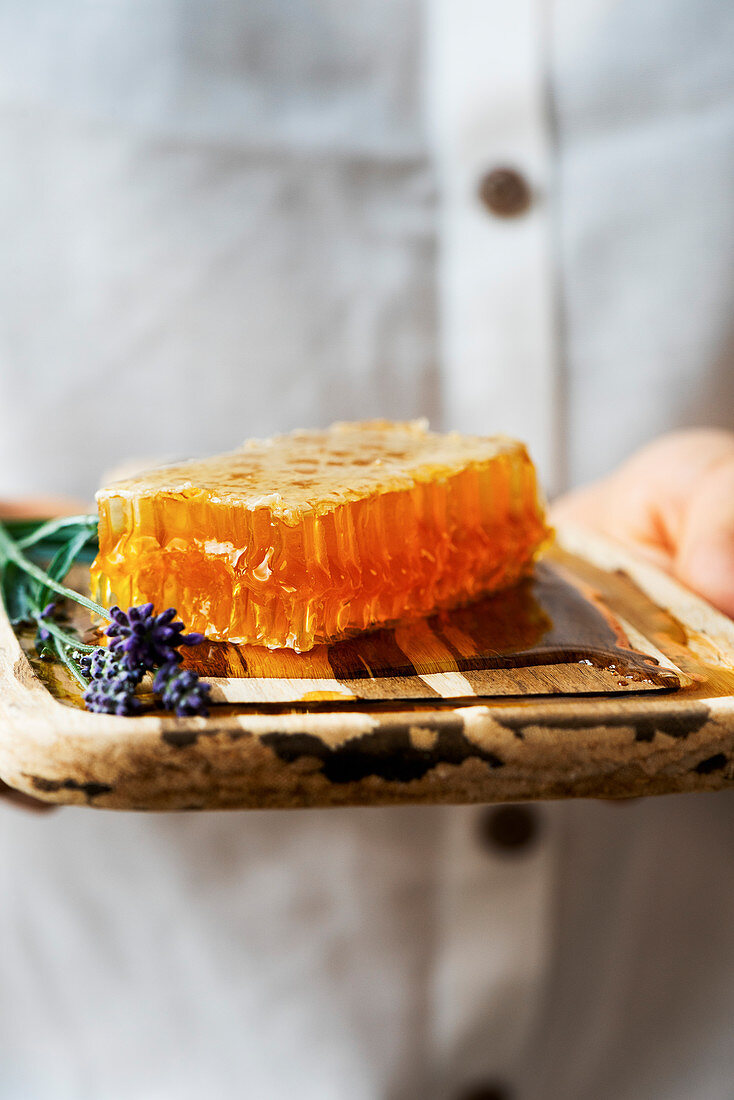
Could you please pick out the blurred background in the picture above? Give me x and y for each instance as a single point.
(228, 218)
(225, 219)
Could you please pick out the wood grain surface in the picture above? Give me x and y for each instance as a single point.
(547, 635)
(599, 678)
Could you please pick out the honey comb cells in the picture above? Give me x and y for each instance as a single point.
(313, 536)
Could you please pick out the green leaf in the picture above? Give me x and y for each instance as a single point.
(62, 561)
(10, 552)
(23, 528)
(44, 646)
(19, 593)
(55, 531)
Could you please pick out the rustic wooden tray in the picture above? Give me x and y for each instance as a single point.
(601, 678)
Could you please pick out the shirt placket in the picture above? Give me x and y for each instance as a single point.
(491, 127)
(494, 930)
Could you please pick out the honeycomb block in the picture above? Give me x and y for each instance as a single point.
(312, 536)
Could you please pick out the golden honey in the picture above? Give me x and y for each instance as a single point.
(313, 536)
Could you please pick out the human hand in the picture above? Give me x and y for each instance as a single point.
(40, 508)
(673, 503)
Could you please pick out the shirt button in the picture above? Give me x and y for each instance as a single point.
(511, 829)
(505, 192)
(490, 1091)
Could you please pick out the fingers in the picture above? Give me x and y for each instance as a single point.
(673, 503)
(623, 508)
(705, 554)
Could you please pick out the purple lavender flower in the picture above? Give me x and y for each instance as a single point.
(113, 696)
(141, 642)
(181, 690)
(43, 634)
(141, 639)
(103, 665)
(97, 664)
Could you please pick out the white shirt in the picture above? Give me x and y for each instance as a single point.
(222, 220)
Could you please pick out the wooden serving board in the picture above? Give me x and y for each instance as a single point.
(548, 635)
(597, 677)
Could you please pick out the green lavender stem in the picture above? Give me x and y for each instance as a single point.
(65, 656)
(11, 552)
(62, 636)
(45, 530)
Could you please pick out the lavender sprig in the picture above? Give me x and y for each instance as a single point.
(140, 638)
(140, 641)
(103, 665)
(181, 690)
(143, 642)
(115, 695)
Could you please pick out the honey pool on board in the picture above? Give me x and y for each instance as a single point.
(314, 536)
